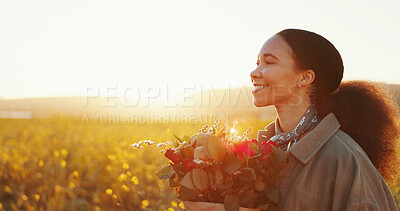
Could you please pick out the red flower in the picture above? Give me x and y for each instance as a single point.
(266, 148)
(189, 165)
(173, 156)
(244, 149)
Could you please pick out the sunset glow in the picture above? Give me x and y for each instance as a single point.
(63, 48)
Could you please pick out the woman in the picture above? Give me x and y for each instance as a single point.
(340, 136)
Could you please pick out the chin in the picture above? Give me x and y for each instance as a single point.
(258, 104)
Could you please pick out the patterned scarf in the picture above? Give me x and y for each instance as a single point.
(308, 122)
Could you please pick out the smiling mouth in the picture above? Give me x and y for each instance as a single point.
(258, 88)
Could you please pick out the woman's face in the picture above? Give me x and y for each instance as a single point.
(275, 81)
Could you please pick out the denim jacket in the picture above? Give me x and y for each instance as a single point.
(328, 170)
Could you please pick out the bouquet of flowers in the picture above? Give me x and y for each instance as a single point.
(230, 171)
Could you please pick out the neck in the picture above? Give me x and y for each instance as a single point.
(289, 116)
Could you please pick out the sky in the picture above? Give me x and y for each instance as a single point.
(89, 48)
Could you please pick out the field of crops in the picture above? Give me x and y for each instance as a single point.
(68, 164)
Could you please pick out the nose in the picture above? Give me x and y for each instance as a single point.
(255, 74)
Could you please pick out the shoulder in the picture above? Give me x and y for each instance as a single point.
(355, 174)
(343, 153)
(341, 158)
(342, 148)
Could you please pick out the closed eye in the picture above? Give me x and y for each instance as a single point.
(269, 59)
(265, 62)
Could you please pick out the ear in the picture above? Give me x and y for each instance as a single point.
(307, 77)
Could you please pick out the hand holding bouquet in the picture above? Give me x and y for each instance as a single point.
(224, 170)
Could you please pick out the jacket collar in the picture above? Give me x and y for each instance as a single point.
(311, 143)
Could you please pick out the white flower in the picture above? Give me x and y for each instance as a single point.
(160, 144)
(148, 142)
(198, 162)
(137, 145)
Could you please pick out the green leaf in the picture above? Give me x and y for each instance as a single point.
(259, 185)
(187, 181)
(231, 164)
(247, 174)
(166, 172)
(187, 195)
(231, 202)
(274, 195)
(246, 196)
(216, 148)
(173, 181)
(179, 169)
(227, 192)
(229, 183)
(212, 196)
(200, 179)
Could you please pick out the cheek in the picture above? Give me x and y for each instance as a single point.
(283, 87)
(288, 79)
(271, 75)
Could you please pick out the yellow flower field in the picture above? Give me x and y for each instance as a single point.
(63, 163)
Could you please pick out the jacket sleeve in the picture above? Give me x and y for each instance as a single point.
(358, 184)
(362, 207)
